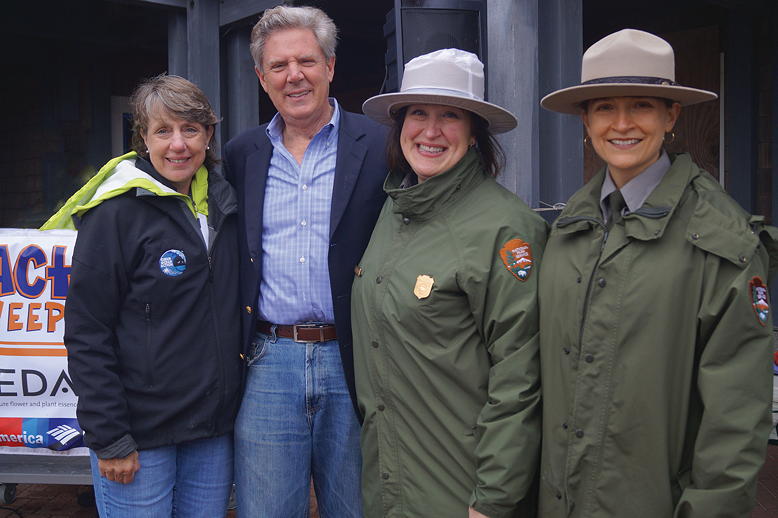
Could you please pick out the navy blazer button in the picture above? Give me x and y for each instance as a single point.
(248, 309)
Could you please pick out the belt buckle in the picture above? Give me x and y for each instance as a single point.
(306, 326)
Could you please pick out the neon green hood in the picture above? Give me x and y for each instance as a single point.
(119, 176)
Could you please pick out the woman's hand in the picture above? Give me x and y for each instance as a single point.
(472, 513)
(120, 470)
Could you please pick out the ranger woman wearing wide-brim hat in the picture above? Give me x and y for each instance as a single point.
(655, 322)
(444, 309)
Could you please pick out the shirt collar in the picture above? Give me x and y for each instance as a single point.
(637, 190)
(409, 181)
(275, 128)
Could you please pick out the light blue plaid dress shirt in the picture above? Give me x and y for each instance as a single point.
(296, 228)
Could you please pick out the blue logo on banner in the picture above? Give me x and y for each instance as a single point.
(55, 434)
(172, 263)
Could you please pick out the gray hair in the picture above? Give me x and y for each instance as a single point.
(182, 98)
(287, 17)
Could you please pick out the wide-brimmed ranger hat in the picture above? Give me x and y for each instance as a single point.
(626, 63)
(450, 77)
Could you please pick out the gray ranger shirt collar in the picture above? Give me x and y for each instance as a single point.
(637, 190)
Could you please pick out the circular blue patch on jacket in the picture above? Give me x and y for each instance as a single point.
(172, 263)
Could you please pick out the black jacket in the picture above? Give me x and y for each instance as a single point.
(357, 198)
(154, 356)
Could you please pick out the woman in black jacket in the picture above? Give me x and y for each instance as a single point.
(152, 326)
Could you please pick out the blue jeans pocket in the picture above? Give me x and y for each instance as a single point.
(258, 349)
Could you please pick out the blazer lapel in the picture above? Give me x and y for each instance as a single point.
(351, 155)
(256, 167)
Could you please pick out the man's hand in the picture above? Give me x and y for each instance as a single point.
(472, 513)
(120, 470)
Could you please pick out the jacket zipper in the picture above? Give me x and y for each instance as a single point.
(222, 376)
(149, 362)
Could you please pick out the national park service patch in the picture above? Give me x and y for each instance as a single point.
(759, 300)
(516, 255)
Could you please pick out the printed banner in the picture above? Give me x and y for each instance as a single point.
(37, 401)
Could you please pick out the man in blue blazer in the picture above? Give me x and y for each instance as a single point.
(309, 189)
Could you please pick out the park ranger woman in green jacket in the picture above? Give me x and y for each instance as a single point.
(654, 316)
(444, 309)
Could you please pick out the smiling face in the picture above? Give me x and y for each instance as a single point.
(296, 76)
(628, 132)
(434, 138)
(176, 147)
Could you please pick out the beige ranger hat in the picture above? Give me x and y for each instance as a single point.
(451, 77)
(626, 63)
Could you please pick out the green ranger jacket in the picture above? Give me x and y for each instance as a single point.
(656, 340)
(446, 348)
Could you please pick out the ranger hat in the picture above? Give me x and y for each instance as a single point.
(450, 77)
(626, 63)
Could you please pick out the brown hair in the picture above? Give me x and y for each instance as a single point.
(490, 151)
(182, 98)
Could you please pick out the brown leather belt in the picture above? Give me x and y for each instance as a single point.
(300, 332)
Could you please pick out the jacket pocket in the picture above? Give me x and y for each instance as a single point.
(474, 431)
(257, 350)
(469, 442)
(148, 349)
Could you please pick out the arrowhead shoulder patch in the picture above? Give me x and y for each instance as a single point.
(759, 300)
(516, 255)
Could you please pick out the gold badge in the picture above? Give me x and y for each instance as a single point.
(423, 286)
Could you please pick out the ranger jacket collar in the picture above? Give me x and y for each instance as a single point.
(649, 221)
(427, 198)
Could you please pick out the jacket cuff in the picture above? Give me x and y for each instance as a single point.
(119, 449)
(491, 510)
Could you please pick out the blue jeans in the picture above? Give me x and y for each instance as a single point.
(191, 479)
(296, 422)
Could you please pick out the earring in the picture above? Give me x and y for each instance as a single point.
(672, 137)
(207, 148)
(147, 151)
(587, 141)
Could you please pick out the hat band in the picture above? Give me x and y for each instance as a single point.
(424, 90)
(631, 80)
